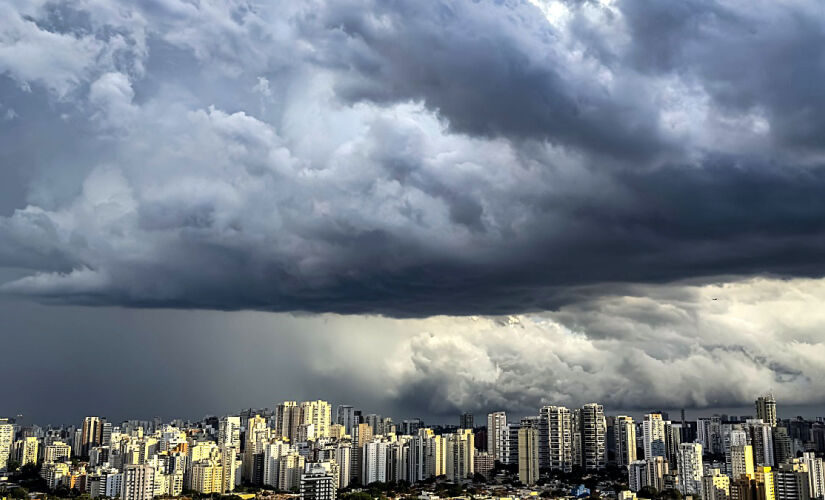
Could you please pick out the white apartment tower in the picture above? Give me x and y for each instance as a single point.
(496, 434)
(624, 431)
(653, 434)
(690, 468)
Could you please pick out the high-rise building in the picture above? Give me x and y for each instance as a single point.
(636, 475)
(460, 454)
(291, 466)
(766, 409)
(257, 436)
(374, 421)
(410, 426)
(528, 455)
(765, 486)
(673, 438)
(509, 451)
(362, 434)
(57, 451)
(483, 464)
(816, 474)
(138, 482)
(624, 432)
(654, 438)
(709, 434)
(466, 421)
(28, 450)
(690, 468)
(761, 438)
(91, 434)
(273, 451)
(657, 470)
(556, 438)
(496, 434)
(791, 481)
(593, 428)
(715, 486)
(345, 415)
(287, 420)
(318, 482)
(374, 462)
(229, 432)
(343, 457)
(741, 461)
(782, 446)
(6, 441)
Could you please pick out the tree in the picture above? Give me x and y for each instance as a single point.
(18, 492)
(12, 465)
(669, 494)
(355, 495)
(647, 492)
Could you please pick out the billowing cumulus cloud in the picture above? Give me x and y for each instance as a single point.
(405, 159)
(639, 348)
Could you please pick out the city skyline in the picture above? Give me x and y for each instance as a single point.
(314, 451)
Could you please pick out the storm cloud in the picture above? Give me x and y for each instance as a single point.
(402, 158)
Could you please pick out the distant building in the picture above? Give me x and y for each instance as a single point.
(690, 468)
(654, 436)
(624, 433)
(593, 435)
(138, 482)
(496, 434)
(318, 482)
(715, 486)
(766, 409)
(466, 421)
(528, 455)
(791, 481)
(483, 464)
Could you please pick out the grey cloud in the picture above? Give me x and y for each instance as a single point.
(462, 158)
(644, 347)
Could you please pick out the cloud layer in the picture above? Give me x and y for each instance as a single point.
(651, 346)
(405, 159)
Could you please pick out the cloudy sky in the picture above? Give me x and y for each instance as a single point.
(414, 207)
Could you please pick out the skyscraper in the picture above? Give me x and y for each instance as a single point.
(91, 434)
(690, 468)
(345, 415)
(816, 474)
(653, 433)
(138, 482)
(460, 454)
(317, 413)
(741, 461)
(28, 449)
(761, 438)
(791, 481)
(528, 455)
(496, 434)
(624, 431)
(715, 486)
(6, 438)
(229, 432)
(556, 438)
(766, 409)
(593, 434)
(318, 482)
(287, 420)
(466, 421)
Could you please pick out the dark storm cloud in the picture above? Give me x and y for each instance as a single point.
(408, 159)
(490, 69)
